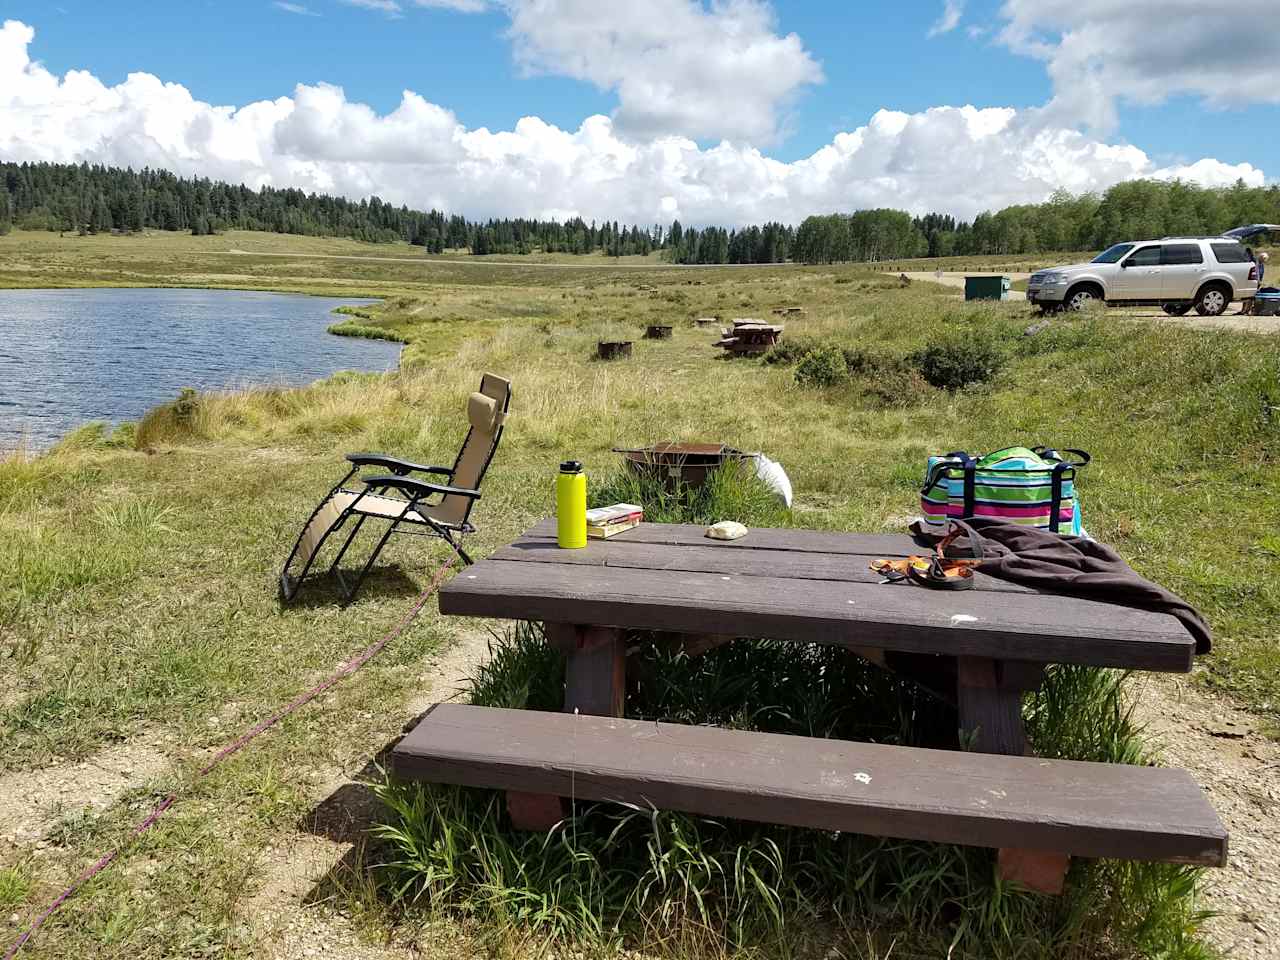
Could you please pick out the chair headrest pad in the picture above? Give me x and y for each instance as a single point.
(483, 413)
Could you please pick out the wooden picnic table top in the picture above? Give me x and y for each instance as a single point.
(802, 585)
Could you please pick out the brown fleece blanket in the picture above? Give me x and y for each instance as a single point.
(1069, 565)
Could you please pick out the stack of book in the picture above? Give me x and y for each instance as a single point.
(606, 522)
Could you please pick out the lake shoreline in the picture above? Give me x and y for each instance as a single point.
(77, 356)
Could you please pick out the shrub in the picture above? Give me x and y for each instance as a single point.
(895, 385)
(958, 360)
(168, 421)
(184, 408)
(789, 351)
(822, 367)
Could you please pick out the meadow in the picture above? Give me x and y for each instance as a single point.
(138, 614)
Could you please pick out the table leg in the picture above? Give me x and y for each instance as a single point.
(989, 695)
(595, 676)
(595, 673)
(990, 711)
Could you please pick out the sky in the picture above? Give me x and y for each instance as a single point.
(710, 111)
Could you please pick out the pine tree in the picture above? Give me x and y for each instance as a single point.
(135, 222)
(6, 212)
(100, 218)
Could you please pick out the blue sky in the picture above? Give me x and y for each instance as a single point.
(847, 61)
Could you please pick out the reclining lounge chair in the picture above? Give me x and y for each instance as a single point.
(431, 509)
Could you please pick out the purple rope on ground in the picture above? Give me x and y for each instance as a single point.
(348, 668)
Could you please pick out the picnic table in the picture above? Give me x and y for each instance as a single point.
(982, 649)
(750, 336)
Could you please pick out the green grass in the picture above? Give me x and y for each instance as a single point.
(137, 595)
(349, 328)
(15, 885)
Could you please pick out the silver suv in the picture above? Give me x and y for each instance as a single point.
(1176, 272)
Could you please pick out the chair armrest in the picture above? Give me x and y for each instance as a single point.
(395, 464)
(419, 488)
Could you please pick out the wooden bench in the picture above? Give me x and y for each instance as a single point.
(986, 800)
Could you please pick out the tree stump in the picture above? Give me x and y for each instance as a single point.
(657, 332)
(613, 349)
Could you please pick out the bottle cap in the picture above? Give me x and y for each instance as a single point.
(571, 466)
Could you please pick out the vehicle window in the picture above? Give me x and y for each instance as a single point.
(1145, 257)
(1229, 253)
(1178, 253)
(1113, 254)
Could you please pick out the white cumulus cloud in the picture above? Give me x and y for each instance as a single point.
(1101, 52)
(955, 159)
(677, 67)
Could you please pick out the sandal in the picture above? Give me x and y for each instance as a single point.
(942, 575)
(950, 567)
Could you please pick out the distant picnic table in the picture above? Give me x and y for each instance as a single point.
(980, 649)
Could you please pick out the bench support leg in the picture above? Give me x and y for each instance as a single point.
(1038, 870)
(989, 695)
(595, 683)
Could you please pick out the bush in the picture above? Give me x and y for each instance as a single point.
(895, 385)
(822, 367)
(957, 361)
(168, 421)
(790, 351)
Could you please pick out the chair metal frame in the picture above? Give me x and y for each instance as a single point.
(416, 493)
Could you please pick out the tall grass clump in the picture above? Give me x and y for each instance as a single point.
(730, 493)
(350, 328)
(169, 420)
(15, 884)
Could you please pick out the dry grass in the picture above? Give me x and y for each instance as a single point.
(136, 585)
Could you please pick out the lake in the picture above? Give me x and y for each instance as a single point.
(71, 356)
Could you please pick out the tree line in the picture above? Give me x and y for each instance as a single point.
(1134, 210)
(97, 199)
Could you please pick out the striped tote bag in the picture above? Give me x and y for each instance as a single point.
(1031, 486)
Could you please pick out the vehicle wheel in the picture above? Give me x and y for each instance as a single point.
(1212, 302)
(1082, 298)
(1176, 309)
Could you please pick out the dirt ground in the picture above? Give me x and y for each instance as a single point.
(1224, 752)
(284, 921)
(1231, 320)
(32, 803)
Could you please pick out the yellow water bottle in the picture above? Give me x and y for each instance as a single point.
(571, 505)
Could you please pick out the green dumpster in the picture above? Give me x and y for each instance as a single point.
(986, 288)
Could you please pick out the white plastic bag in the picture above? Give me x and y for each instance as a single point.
(774, 477)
